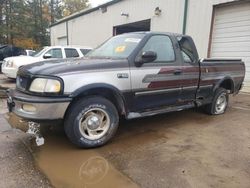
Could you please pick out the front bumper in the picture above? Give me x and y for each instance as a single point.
(10, 72)
(37, 108)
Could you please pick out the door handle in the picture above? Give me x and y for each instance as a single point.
(177, 71)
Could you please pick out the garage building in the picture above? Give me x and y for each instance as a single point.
(220, 28)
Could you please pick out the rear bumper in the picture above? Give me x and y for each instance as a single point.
(37, 108)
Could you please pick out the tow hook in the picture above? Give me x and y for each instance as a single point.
(34, 129)
(10, 104)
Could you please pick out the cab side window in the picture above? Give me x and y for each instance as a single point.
(71, 52)
(55, 53)
(186, 49)
(162, 45)
(85, 51)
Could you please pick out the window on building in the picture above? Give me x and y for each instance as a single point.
(162, 45)
(71, 52)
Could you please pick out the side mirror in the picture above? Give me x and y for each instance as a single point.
(146, 57)
(47, 56)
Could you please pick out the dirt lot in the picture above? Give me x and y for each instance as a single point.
(181, 149)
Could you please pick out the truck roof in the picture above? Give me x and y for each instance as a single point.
(157, 32)
(69, 46)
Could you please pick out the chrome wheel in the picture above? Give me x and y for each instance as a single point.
(94, 124)
(221, 103)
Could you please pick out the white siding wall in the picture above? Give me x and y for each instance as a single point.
(95, 27)
(57, 32)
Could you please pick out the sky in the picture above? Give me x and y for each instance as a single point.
(95, 3)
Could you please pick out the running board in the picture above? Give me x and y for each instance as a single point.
(133, 115)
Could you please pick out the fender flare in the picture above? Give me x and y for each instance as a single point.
(217, 85)
(117, 93)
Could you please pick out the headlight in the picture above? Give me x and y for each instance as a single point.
(9, 63)
(42, 85)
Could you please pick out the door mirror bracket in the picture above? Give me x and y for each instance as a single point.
(47, 56)
(146, 57)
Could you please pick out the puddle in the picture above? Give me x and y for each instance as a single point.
(19, 123)
(16, 122)
(67, 166)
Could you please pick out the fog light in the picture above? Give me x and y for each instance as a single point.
(29, 108)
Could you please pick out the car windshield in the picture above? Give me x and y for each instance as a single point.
(120, 46)
(39, 53)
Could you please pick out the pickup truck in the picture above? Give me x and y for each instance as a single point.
(10, 51)
(10, 65)
(130, 75)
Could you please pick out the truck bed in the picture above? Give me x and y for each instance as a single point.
(214, 71)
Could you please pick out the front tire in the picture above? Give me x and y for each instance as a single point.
(91, 122)
(219, 103)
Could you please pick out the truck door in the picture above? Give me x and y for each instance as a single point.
(157, 84)
(190, 69)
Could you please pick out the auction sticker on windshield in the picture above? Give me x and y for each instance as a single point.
(120, 49)
(136, 40)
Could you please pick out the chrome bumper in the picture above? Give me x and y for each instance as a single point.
(37, 108)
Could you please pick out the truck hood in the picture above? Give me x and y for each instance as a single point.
(67, 66)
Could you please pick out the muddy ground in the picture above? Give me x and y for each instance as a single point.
(181, 149)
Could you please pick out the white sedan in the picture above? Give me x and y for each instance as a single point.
(11, 64)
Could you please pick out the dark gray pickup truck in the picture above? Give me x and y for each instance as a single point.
(132, 75)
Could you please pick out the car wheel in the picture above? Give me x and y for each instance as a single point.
(91, 122)
(219, 103)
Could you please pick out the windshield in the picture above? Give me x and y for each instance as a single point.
(120, 46)
(39, 53)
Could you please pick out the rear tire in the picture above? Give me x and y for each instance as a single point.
(219, 102)
(91, 122)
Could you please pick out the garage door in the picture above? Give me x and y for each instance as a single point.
(231, 35)
(62, 41)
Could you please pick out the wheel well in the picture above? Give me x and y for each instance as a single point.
(228, 85)
(106, 93)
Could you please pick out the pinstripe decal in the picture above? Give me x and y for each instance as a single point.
(160, 91)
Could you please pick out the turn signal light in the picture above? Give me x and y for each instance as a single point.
(28, 108)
